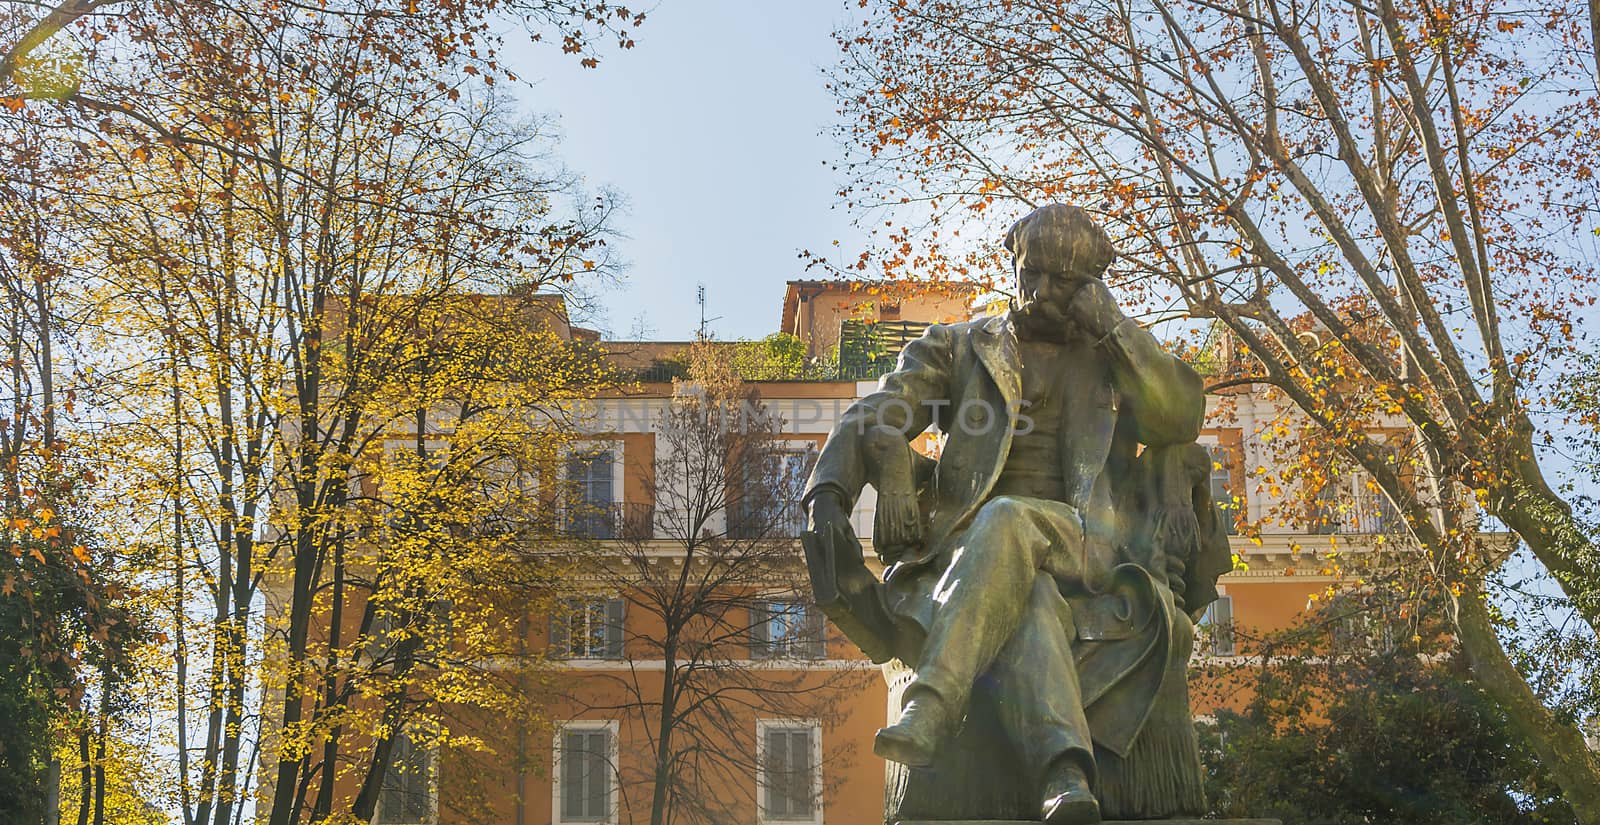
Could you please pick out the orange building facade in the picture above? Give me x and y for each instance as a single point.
(592, 757)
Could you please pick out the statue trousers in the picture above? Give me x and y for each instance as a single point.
(999, 619)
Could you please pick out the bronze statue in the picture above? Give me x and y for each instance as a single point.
(1036, 615)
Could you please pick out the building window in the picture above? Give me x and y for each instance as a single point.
(380, 637)
(587, 628)
(1349, 502)
(1216, 628)
(406, 796)
(585, 789)
(1364, 620)
(1370, 510)
(591, 500)
(789, 772)
(429, 630)
(786, 630)
(510, 484)
(1229, 504)
(770, 489)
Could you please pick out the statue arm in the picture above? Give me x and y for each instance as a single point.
(922, 374)
(1163, 396)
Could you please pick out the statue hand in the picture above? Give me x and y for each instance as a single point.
(1094, 308)
(897, 529)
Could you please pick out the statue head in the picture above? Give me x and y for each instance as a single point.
(1051, 248)
(1061, 240)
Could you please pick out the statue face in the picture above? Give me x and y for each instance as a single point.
(1045, 295)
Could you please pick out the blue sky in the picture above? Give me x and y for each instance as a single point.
(714, 128)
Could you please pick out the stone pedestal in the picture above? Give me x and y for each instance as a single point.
(1106, 822)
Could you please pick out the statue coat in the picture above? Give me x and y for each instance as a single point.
(1123, 391)
(1128, 391)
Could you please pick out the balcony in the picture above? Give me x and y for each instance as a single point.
(771, 520)
(867, 351)
(1365, 513)
(626, 521)
(662, 371)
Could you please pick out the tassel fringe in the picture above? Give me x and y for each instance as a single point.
(1160, 778)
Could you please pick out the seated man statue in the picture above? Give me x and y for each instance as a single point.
(1045, 569)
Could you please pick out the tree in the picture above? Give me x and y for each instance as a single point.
(64, 635)
(29, 32)
(124, 786)
(1386, 205)
(725, 495)
(1360, 714)
(267, 205)
(348, 400)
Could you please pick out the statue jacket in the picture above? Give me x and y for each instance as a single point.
(966, 378)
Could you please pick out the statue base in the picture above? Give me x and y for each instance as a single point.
(1105, 822)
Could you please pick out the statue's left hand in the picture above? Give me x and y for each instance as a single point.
(897, 528)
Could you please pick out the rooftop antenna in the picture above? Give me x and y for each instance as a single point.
(700, 298)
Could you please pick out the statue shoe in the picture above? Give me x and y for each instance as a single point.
(915, 737)
(1067, 797)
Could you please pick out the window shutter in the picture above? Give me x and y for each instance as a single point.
(800, 773)
(391, 796)
(599, 477)
(575, 465)
(406, 793)
(1222, 486)
(614, 627)
(777, 772)
(599, 775)
(1222, 626)
(378, 633)
(573, 768)
(561, 627)
(760, 638)
(417, 782)
(815, 630)
(789, 771)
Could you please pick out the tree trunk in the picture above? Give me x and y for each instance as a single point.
(366, 802)
(1560, 747)
(330, 749)
(52, 793)
(661, 794)
(85, 777)
(107, 684)
(42, 30)
(285, 803)
(1594, 35)
(394, 714)
(234, 547)
(179, 585)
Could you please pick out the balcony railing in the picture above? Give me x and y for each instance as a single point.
(867, 371)
(868, 351)
(784, 520)
(662, 371)
(1365, 513)
(626, 521)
